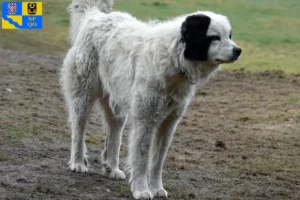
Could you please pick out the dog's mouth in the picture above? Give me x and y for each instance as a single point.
(221, 61)
(231, 60)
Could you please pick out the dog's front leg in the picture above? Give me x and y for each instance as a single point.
(140, 156)
(146, 118)
(161, 143)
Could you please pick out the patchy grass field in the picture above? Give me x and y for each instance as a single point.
(267, 30)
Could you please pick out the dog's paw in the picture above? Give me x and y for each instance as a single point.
(146, 194)
(117, 174)
(114, 174)
(159, 193)
(79, 167)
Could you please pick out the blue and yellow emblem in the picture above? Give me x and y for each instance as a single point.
(22, 15)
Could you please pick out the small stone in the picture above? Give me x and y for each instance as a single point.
(220, 144)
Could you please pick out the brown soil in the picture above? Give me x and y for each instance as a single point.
(240, 138)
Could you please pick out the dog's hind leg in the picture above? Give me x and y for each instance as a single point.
(110, 154)
(79, 111)
(80, 91)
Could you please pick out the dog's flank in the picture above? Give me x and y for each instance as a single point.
(144, 72)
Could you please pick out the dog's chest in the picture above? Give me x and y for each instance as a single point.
(179, 91)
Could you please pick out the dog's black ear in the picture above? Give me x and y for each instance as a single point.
(193, 33)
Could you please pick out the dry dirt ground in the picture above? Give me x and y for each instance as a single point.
(240, 138)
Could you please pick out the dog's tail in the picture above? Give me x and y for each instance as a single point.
(77, 10)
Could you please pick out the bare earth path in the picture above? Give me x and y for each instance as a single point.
(240, 138)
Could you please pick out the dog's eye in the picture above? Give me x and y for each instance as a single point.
(215, 38)
(230, 35)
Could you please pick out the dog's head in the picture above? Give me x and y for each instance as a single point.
(208, 37)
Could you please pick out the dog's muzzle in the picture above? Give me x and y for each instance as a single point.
(236, 52)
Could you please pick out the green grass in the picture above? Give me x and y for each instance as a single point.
(122, 190)
(3, 156)
(22, 132)
(267, 30)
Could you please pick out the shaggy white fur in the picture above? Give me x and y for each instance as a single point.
(144, 72)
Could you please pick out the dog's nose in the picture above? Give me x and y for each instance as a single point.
(237, 51)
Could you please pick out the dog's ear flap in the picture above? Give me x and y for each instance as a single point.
(193, 34)
(194, 28)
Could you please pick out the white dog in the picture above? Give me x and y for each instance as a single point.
(144, 72)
